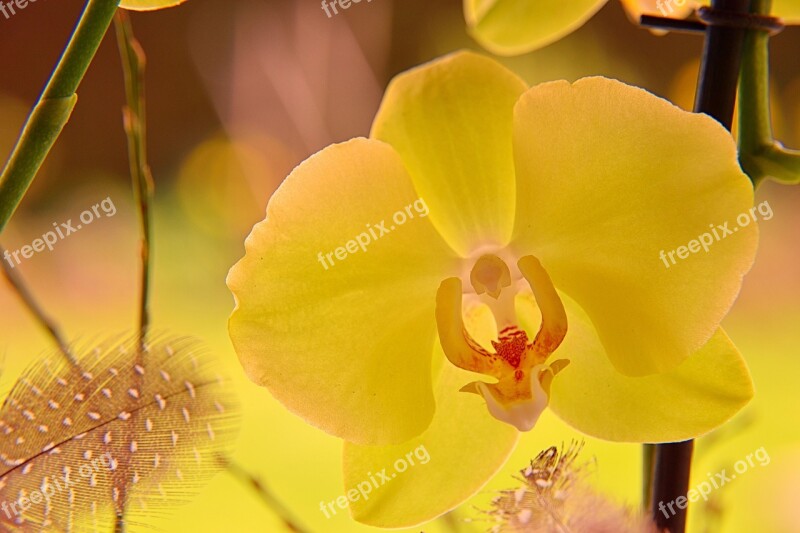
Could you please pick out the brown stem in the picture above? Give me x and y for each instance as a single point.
(716, 96)
(722, 61)
(673, 463)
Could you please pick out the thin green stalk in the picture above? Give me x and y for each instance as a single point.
(760, 154)
(54, 107)
(754, 105)
(133, 65)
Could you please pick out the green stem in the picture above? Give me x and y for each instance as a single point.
(754, 106)
(774, 161)
(54, 107)
(760, 154)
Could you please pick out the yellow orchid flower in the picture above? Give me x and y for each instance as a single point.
(524, 226)
(511, 27)
(148, 5)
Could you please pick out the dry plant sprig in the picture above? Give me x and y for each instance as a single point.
(263, 492)
(134, 61)
(14, 279)
(82, 447)
(135, 122)
(136, 355)
(557, 498)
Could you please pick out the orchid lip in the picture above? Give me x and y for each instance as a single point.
(522, 414)
(519, 365)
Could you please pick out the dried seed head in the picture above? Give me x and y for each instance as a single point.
(556, 497)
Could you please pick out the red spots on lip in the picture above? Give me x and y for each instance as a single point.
(518, 375)
(511, 345)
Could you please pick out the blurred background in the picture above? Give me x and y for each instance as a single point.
(238, 93)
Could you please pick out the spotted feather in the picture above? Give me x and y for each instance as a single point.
(120, 435)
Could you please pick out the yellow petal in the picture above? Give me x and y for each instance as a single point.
(451, 122)
(347, 345)
(663, 8)
(462, 449)
(788, 10)
(510, 27)
(148, 5)
(701, 394)
(611, 177)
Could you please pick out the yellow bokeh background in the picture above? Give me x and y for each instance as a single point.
(240, 92)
